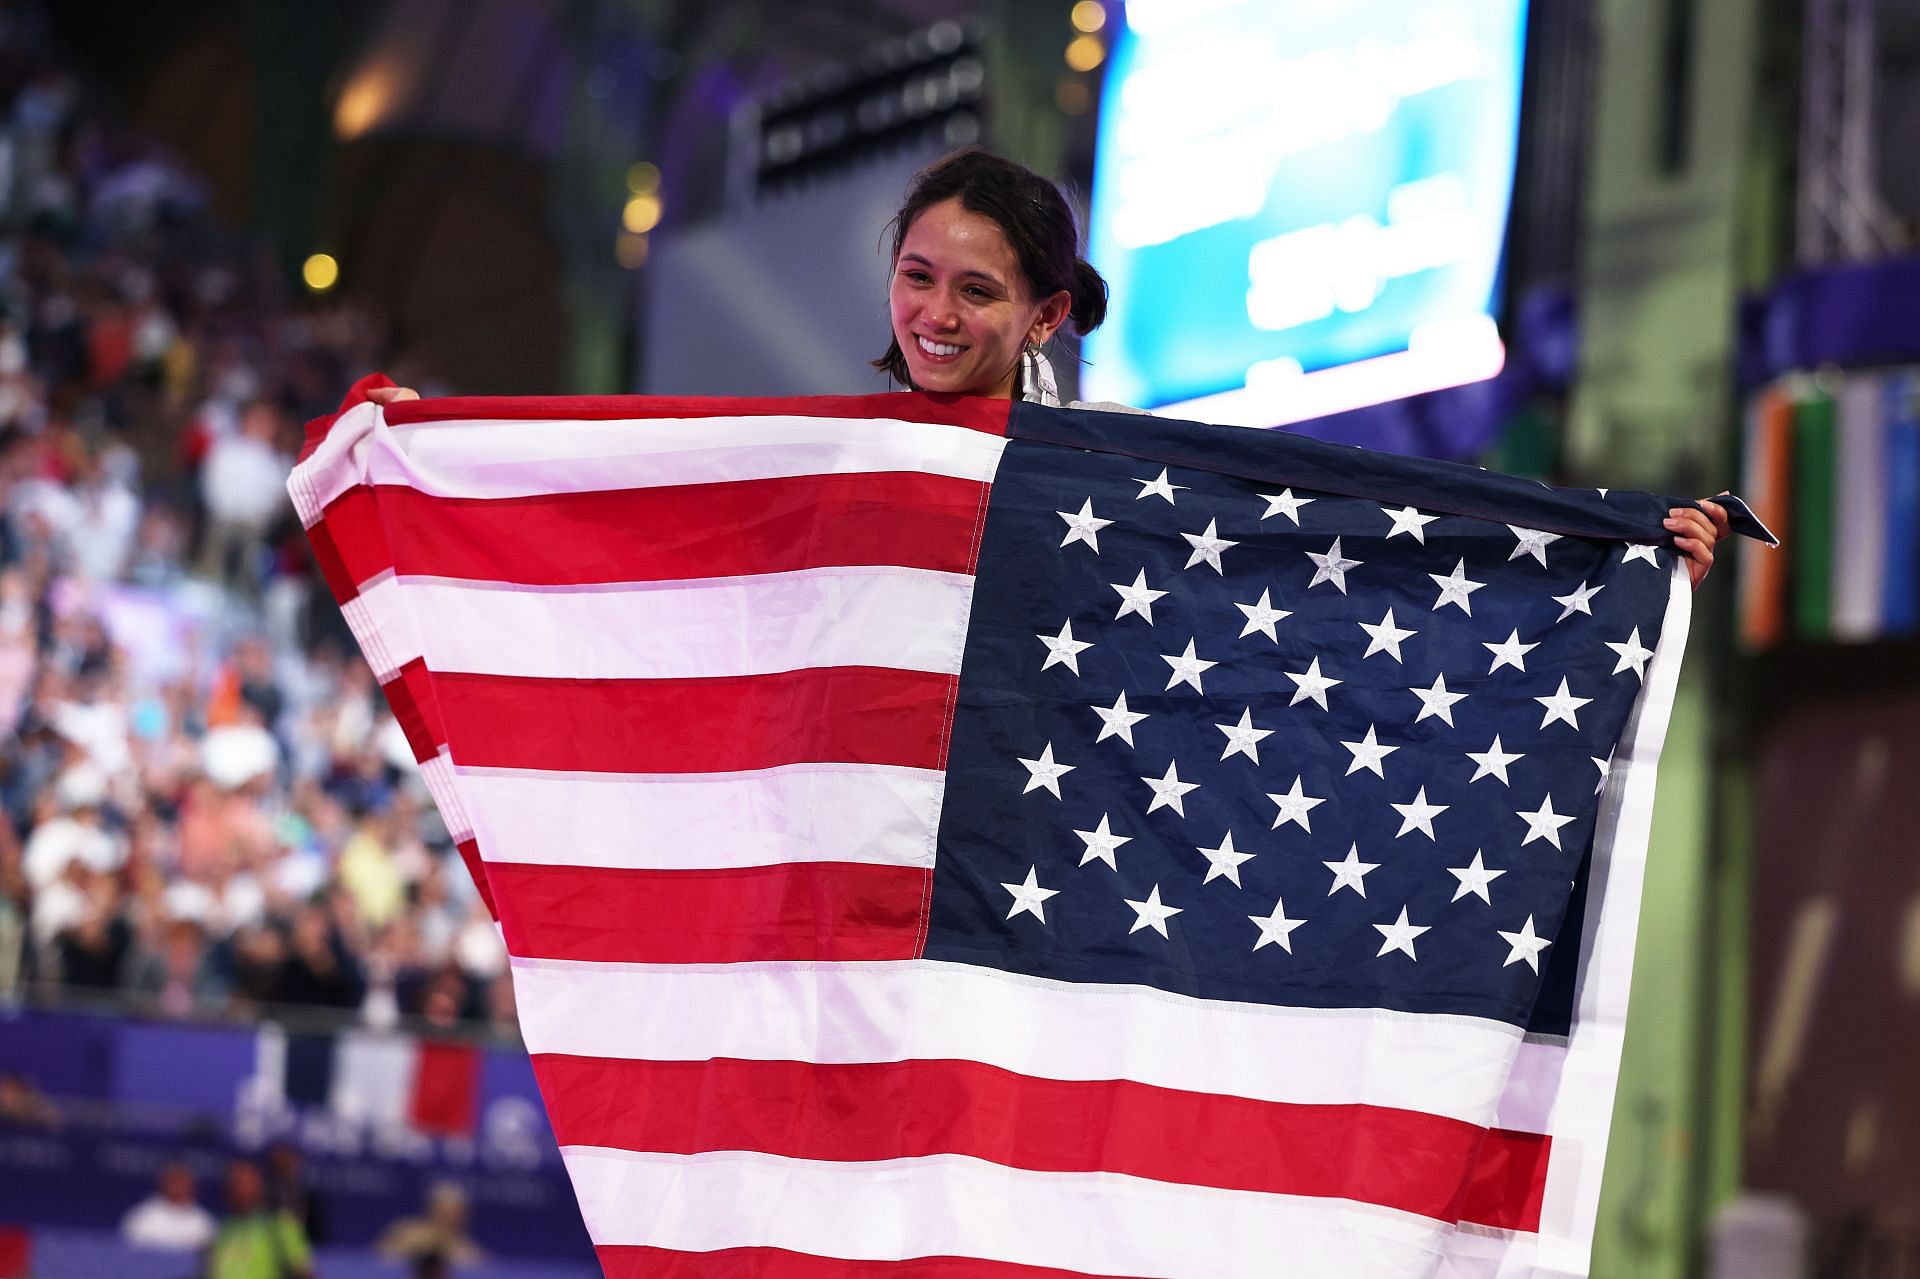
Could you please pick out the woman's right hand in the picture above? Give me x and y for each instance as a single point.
(389, 394)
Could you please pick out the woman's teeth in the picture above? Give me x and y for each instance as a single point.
(936, 348)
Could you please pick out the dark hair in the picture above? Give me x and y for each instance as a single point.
(1033, 215)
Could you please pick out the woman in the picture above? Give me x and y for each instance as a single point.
(986, 269)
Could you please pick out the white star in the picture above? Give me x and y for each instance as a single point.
(1493, 762)
(1285, 503)
(1151, 914)
(1158, 486)
(1578, 601)
(1276, 928)
(1294, 807)
(1102, 843)
(1331, 567)
(1409, 520)
(1603, 492)
(1641, 551)
(1044, 772)
(1418, 815)
(1526, 944)
(1223, 861)
(1455, 588)
(1509, 652)
(1606, 770)
(1385, 637)
(1310, 683)
(1474, 879)
(1187, 668)
(1562, 706)
(1437, 700)
(1632, 655)
(1350, 872)
(1170, 791)
(1261, 617)
(1030, 897)
(1117, 720)
(1243, 738)
(1137, 598)
(1063, 649)
(1399, 936)
(1543, 824)
(1084, 526)
(1367, 754)
(1532, 542)
(1207, 547)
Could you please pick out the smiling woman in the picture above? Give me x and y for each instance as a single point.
(986, 268)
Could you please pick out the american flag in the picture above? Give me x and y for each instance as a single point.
(952, 838)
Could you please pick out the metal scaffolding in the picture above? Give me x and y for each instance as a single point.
(1842, 216)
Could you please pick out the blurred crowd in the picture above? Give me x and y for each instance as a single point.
(207, 808)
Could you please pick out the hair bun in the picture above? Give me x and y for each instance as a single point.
(1089, 297)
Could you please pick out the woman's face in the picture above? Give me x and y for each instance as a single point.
(961, 307)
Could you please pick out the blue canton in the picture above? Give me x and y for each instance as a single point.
(1247, 740)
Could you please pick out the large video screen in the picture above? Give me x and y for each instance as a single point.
(1301, 205)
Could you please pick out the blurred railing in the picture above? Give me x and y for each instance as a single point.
(296, 1019)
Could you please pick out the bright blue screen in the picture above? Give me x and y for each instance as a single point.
(1297, 184)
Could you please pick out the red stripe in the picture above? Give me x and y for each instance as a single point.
(410, 696)
(819, 714)
(1509, 1180)
(795, 911)
(1403, 1159)
(333, 569)
(621, 1261)
(903, 518)
(469, 850)
(446, 1088)
(989, 416)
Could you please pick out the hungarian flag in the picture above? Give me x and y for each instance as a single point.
(958, 838)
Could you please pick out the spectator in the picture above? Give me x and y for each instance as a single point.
(244, 487)
(93, 953)
(439, 1234)
(170, 1218)
(287, 1189)
(24, 1106)
(77, 834)
(257, 1240)
(317, 970)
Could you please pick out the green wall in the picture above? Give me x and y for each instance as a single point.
(1668, 228)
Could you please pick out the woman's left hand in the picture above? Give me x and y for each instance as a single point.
(1694, 534)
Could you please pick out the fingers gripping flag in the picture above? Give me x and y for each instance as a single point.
(944, 838)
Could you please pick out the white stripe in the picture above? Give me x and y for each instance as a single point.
(911, 619)
(953, 1205)
(923, 1009)
(1589, 1066)
(1859, 555)
(875, 814)
(373, 1078)
(517, 458)
(438, 773)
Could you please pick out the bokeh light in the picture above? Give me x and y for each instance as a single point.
(643, 178)
(642, 214)
(1084, 53)
(631, 249)
(320, 271)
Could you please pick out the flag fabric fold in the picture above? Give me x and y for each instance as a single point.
(943, 837)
